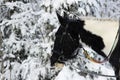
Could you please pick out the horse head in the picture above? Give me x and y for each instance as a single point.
(67, 39)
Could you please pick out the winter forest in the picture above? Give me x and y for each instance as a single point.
(27, 36)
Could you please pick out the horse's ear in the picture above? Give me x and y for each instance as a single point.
(61, 19)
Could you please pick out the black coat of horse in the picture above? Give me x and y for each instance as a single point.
(68, 36)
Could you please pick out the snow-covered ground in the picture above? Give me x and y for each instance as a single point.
(81, 68)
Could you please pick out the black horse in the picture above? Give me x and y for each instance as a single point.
(68, 39)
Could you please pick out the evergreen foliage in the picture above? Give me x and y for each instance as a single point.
(28, 28)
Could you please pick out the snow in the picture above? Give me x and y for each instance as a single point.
(63, 75)
(87, 65)
(30, 31)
